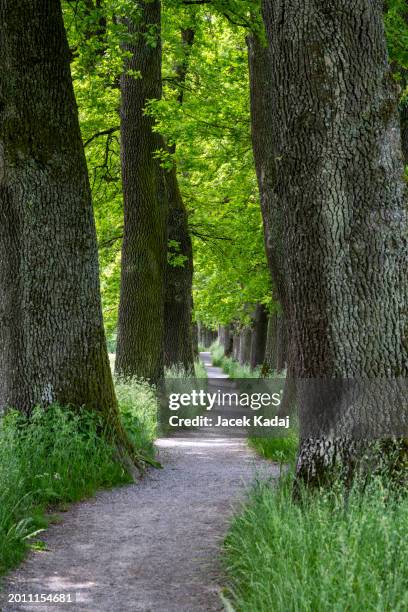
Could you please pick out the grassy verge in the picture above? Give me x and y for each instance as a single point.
(330, 552)
(58, 456)
(229, 365)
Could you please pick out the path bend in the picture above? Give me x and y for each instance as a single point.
(152, 546)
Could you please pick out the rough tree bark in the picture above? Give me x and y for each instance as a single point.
(178, 341)
(338, 176)
(271, 348)
(262, 104)
(141, 307)
(51, 330)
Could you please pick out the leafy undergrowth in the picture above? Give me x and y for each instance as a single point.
(59, 456)
(330, 552)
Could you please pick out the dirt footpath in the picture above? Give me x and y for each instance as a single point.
(153, 546)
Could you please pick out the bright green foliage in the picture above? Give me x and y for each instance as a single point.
(396, 23)
(214, 154)
(216, 171)
(138, 411)
(212, 132)
(59, 456)
(328, 552)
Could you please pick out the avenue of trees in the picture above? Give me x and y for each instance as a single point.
(243, 163)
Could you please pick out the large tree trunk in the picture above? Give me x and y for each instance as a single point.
(338, 176)
(51, 330)
(262, 104)
(260, 329)
(178, 346)
(141, 308)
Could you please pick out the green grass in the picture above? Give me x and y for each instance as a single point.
(282, 450)
(59, 456)
(330, 552)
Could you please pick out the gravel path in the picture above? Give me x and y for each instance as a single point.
(152, 546)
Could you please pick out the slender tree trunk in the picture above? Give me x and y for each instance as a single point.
(245, 346)
(141, 308)
(178, 341)
(276, 344)
(178, 349)
(51, 330)
(236, 346)
(260, 329)
(271, 349)
(338, 175)
(195, 340)
(281, 344)
(228, 341)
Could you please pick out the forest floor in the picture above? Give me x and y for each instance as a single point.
(153, 546)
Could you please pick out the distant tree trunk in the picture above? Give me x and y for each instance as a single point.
(141, 308)
(271, 349)
(178, 350)
(282, 344)
(225, 338)
(245, 346)
(195, 339)
(338, 175)
(260, 328)
(236, 346)
(51, 330)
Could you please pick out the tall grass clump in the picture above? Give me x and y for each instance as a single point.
(329, 551)
(57, 455)
(138, 411)
(60, 455)
(217, 354)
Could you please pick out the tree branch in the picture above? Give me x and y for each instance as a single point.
(107, 132)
